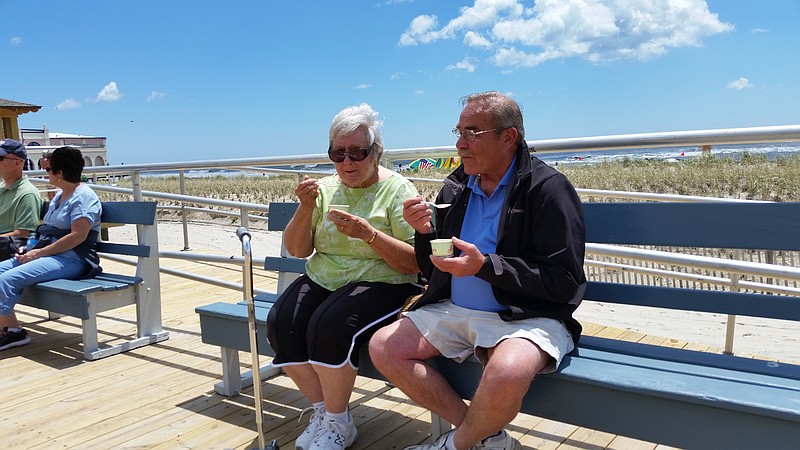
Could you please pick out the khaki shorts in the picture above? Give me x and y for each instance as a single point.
(459, 332)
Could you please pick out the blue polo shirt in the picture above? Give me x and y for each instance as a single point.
(480, 228)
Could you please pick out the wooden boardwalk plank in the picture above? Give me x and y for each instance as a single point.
(161, 396)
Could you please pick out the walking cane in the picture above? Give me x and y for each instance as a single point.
(244, 236)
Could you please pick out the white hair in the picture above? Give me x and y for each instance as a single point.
(354, 117)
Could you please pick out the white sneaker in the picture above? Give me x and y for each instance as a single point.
(438, 444)
(501, 441)
(335, 435)
(313, 429)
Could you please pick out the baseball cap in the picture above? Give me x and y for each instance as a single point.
(12, 147)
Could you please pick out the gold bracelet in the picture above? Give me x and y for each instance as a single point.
(374, 235)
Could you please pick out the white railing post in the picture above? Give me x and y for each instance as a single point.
(730, 328)
(136, 185)
(245, 222)
(182, 180)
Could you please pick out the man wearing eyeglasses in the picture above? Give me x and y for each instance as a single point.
(506, 296)
(20, 202)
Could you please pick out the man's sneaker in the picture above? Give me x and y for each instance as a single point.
(303, 442)
(9, 339)
(438, 444)
(335, 435)
(501, 441)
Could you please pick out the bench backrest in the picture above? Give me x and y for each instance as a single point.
(287, 266)
(280, 213)
(765, 226)
(148, 293)
(760, 226)
(128, 213)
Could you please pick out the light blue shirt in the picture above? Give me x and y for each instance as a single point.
(83, 203)
(480, 228)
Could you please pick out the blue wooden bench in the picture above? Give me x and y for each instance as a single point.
(225, 324)
(677, 397)
(86, 298)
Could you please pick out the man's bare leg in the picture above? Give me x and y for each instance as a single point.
(506, 378)
(399, 352)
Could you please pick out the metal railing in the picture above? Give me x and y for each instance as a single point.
(700, 268)
(273, 164)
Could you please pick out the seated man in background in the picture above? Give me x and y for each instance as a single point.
(20, 202)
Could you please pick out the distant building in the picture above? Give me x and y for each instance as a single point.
(41, 141)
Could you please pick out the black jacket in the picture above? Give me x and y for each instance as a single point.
(538, 268)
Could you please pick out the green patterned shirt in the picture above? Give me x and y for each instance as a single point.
(338, 259)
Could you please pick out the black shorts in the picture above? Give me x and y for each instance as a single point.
(310, 324)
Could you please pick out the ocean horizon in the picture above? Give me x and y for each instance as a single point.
(771, 151)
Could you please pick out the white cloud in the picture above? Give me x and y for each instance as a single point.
(109, 93)
(419, 92)
(473, 39)
(16, 40)
(481, 15)
(741, 83)
(155, 95)
(596, 30)
(364, 86)
(69, 103)
(468, 64)
(511, 57)
(759, 30)
(419, 31)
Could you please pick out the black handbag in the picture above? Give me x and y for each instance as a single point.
(10, 245)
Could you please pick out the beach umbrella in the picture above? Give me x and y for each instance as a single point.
(422, 164)
(448, 163)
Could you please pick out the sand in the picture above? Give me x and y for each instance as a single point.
(766, 338)
(773, 339)
(209, 237)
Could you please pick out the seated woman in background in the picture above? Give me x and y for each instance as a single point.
(361, 271)
(65, 247)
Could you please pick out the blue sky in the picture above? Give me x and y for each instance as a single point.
(184, 80)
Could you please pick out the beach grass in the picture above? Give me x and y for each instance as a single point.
(751, 177)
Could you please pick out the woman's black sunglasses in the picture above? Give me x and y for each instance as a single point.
(356, 154)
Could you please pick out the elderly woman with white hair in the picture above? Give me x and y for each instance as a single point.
(360, 271)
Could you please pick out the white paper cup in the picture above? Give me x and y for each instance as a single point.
(345, 208)
(442, 248)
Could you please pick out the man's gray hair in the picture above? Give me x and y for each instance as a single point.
(504, 110)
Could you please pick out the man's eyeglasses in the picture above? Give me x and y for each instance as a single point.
(470, 135)
(355, 154)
